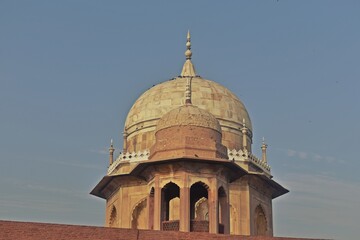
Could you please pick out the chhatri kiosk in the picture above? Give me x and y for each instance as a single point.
(187, 163)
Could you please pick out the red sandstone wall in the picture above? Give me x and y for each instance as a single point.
(10, 230)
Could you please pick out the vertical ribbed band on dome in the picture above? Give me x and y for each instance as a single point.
(188, 91)
(188, 68)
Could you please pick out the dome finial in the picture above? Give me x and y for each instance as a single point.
(188, 52)
(188, 68)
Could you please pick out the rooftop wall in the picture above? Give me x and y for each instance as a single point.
(39, 231)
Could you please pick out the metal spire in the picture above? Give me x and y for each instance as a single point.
(188, 68)
(188, 52)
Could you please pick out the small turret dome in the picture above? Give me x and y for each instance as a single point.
(188, 115)
(188, 131)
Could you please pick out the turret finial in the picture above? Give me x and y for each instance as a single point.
(111, 152)
(125, 141)
(244, 135)
(263, 148)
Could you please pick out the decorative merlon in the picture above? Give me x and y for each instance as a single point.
(237, 155)
(246, 156)
(129, 157)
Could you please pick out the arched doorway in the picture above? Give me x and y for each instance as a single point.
(260, 221)
(170, 210)
(199, 207)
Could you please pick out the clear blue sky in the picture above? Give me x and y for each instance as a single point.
(70, 71)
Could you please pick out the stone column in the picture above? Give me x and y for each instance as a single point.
(226, 214)
(150, 208)
(213, 209)
(185, 208)
(157, 206)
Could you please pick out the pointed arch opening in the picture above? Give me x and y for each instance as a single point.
(139, 216)
(199, 207)
(260, 221)
(170, 210)
(113, 217)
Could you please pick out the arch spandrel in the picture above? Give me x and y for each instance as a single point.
(193, 180)
(179, 182)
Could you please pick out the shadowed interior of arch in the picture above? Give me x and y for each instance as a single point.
(198, 201)
(170, 208)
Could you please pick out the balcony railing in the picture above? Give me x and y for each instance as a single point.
(195, 226)
(172, 225)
